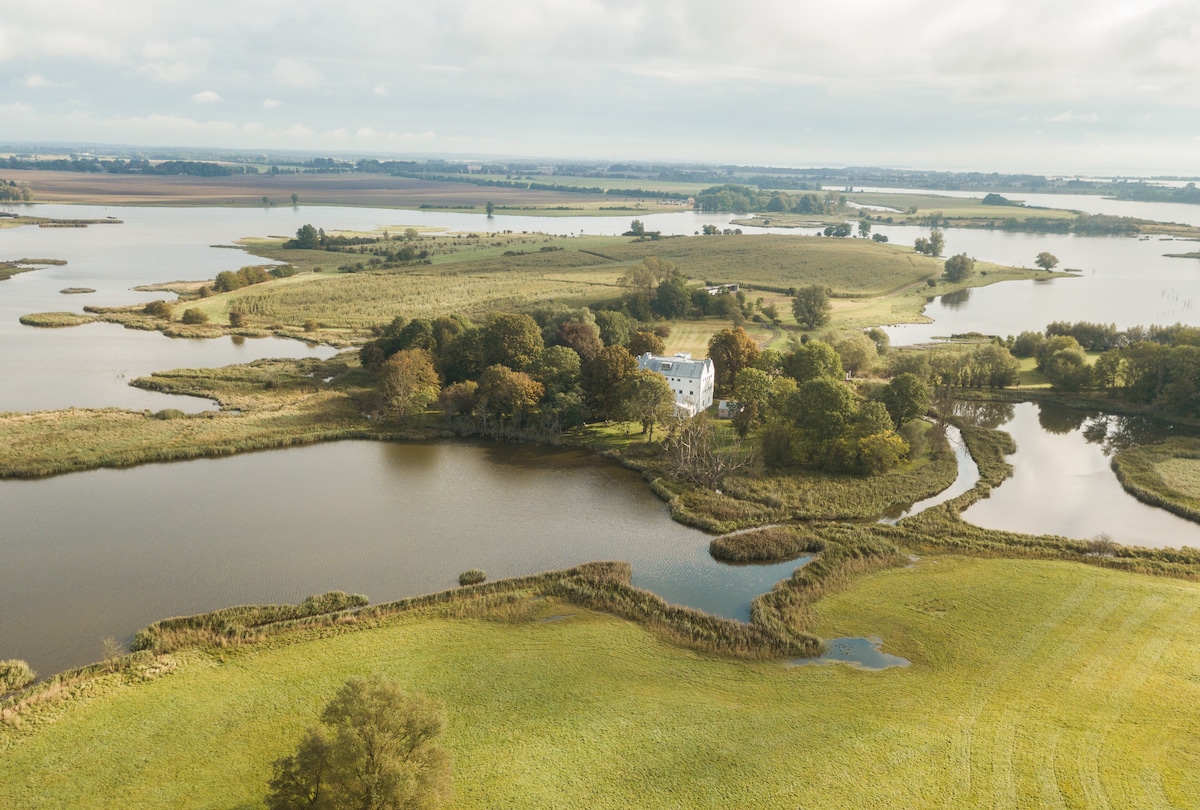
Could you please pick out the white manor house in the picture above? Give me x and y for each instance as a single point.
(691, 380)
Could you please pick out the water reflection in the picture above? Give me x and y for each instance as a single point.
(1063, 484)
(957, 299)
(1059, 419)
(990, 415)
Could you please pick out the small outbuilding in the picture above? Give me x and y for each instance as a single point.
(727, 408)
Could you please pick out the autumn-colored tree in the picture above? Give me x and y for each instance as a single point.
(731, 350)
(410, 382)
(643, 342)
(584, 338)
(602, 379)
(506, 393)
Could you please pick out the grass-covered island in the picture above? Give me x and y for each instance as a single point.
(1166, 475)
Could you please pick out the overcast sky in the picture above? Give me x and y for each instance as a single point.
(1057, 86)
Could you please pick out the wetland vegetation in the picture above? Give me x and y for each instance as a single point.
(980, 614)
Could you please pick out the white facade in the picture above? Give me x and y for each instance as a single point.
(691, 380)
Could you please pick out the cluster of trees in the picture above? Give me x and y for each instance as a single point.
(1145, 192)
(933, 246)
(229, 280)
(984, 365)
(385, 249)
(1156, 366)
(740, 199)
(809, 417)
(519, 373)
(657, 288)
(376, 749)
(1087, 224)
(11, 192)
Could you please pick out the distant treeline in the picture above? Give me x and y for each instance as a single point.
(1086, 224)
(118, 166)
(535, 185)
(1144, 192)
(741, 199)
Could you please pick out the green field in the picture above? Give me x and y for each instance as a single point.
(872, 283)
(1166, 475)
(1032, 684)
(971, 208)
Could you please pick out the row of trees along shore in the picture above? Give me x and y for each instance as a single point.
(1155, 366)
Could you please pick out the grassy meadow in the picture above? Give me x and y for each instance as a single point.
(1166, 475)
(473, 275)
(1032, 683)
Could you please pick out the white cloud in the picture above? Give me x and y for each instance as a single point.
(37, 81)
(1072, 117)
(206, 97)
(295, 73)
(272, 103)
(382, 90)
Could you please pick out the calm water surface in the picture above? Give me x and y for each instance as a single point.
(1062, 483)
(103, 553)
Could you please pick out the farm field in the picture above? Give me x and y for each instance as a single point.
(312, 189)
(1032, 684)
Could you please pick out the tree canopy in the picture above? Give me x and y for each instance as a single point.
(376, 750)
(811, 306)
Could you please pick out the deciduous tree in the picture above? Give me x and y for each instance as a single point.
(959, 267)
(1046, 260)
(410, 382)
(811, 306)
(646, 397)
(377, 751)
(731, 350)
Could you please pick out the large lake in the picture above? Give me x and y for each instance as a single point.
(102, 553)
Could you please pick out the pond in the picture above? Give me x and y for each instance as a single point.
(103, 553)
(1063, 483)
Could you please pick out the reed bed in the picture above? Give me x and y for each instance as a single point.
(769, 544)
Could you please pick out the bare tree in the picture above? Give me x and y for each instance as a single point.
(695, 455)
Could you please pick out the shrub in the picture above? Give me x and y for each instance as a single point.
(474, 576)
(194, 316)
(170, 413)
(237, 319)
(14, 675)
(768, 544)
(311, 325)
(158, 309)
